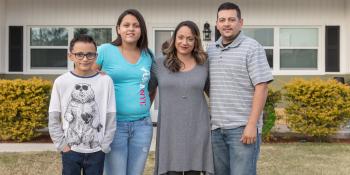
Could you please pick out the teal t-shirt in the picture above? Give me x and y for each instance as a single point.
(130, 81)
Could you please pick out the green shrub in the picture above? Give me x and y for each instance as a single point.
(317, 107)
(23, 108)
(269, 117)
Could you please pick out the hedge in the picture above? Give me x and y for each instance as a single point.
(23, 108)
(317, 108)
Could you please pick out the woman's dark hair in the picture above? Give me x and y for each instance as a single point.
(171, 61)
(142, 43)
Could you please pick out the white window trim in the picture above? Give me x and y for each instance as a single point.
(44, 70)
(276, 70)
(27, 47)
(154, 29)
(300, 71)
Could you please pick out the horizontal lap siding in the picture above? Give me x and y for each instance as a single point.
(2, 36)
(167, 13)
(346, 39)
(105, 12)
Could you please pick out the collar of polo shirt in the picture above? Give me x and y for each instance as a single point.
(235, 42)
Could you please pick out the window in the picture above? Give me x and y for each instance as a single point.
(289, 48)
(100, 35)
(265, 37)
(48, 47)
(298, 48)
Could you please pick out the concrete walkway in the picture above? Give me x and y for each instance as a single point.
(32, 147)
(26, 147)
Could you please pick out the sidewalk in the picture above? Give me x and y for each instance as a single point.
(32, 147)
(26, 147)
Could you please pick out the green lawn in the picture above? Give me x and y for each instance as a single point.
(275, 159)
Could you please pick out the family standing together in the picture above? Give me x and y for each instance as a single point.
(99, 114)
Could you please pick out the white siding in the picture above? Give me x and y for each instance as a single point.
(2, 36)
(167, 13)
(346, 39)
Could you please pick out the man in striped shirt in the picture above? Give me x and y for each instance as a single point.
(239, 74)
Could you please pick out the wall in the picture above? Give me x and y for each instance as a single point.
(167, 13)
(2, 35)
(346, 37)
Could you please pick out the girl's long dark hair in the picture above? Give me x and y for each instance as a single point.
(142, 43)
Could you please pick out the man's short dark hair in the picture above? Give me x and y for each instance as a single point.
(229, 6)
(81, 38)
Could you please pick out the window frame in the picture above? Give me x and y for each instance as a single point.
(266, 47)
(276, 69)
(51, 70)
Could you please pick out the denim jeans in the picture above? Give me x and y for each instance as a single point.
(183, 173)
(231, 156)
(129, 149)
(91, 163)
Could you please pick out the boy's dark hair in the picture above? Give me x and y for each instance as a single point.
(81, 38)
(229, 6)
(142, 43)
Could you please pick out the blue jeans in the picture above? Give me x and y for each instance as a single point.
(231, 156)
(129, 149)
(91, 163)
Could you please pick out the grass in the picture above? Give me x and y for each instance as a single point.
(275, 159)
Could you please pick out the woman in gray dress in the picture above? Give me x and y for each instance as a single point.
(183, 133)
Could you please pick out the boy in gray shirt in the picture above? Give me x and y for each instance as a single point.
(82, 112)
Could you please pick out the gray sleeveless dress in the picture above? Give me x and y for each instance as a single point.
(183, 132)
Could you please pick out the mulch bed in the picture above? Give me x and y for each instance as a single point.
(293, 138)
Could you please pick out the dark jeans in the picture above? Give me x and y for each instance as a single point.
(91, 163)
(183, 173)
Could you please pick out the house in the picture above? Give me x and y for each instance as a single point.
(301, 37)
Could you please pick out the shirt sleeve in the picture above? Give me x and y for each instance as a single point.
(100, 56)
(110, 119)
(56, 131)
(111, 104)
(55, 123)
(55, 101)
(258, 68)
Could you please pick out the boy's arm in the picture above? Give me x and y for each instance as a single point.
(56, 131)
(109, 132)
(111, 124)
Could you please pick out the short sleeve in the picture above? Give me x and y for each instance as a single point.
(55, 101)
(100, 56)
(258, 68)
